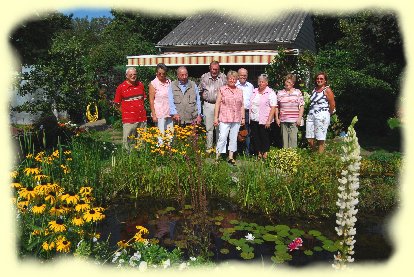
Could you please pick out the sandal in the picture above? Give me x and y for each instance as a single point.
(232, 161)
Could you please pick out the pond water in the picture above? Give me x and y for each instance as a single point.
(372, 240)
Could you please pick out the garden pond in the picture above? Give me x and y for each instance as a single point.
(165, 223)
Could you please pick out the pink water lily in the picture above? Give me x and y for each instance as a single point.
(295, 244)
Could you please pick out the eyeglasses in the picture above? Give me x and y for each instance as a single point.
(320, 78)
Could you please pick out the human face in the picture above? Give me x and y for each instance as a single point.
(288, 84)
(161, 74)
(320, 80)
(131, 76)
(182, 75)
(262, 84)
(231, 81)
(242, 76)
(214, 70)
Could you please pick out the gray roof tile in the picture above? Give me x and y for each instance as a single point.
(215, 28)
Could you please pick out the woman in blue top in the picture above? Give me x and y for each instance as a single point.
(322, 106)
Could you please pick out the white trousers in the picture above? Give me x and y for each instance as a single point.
(164, 124)
(225, 129)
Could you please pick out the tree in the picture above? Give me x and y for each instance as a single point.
(33, 38)
(365, 66)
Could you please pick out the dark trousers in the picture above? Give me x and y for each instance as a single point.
(260, 137)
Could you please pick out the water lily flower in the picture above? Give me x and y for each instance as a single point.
(249, 236)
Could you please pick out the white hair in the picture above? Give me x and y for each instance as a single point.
(130, 69)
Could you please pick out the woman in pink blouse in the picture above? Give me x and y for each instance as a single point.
(228, 115)
(158, 97)
(262, 109)
(289, 112)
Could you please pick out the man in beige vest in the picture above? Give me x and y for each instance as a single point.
(184, 99)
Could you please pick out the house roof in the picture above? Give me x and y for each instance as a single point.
(221, 31)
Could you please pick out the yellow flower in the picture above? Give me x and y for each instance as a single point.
(48, 246)
(29, 156)
(85, 190)
(57, 211)
(16, 185)
(39, 177)
(39, 208)
(36, 232)
(55, 153)
(142, 229)
(65, 168)
(23, 205)
(41, 189)
(70, 197)
(14, 174)
(78, 221)
(123, 244)
(31, 171)
(93, 215)
(51, 197)
(57, 226)
(63, 245)
(27, 193)
(82, 206)
(67, 152)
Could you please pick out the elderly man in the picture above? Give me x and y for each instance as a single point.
(247, 89)
(210, 84)
(184, 99)
(129, 99)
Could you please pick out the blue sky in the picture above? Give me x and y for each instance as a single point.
(90, 13)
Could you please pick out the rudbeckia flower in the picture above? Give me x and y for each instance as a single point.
(70, 197)
(23, 205)
(82, 206)
(51, 197)
(16, 185)
(31, 171)
(63, 245)
(48, 246)
(78, 221)
(39, 177)
(57, 226)
(41, 189)
(93, 215)
(14, 174)
(57, 210)
(27, 193)
(122, 244)
(85, 190)
(39, 208)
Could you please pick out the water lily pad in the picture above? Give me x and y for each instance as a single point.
(314, 233)
(308, 252)
(247, 255)
(234, 221)
(282, 228)
(297, 232)
(224, 251)
(330, 247)
(218, 223)
(280, 248)
(270, 237)
(219, 218)
(318, 248)
(283, 233)
(270, 228)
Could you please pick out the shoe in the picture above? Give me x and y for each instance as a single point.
(232, 161)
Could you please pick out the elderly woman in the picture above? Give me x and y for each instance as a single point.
(228, 115)
(322, 105)
(262, 109)
(158, 97)
(289, 112)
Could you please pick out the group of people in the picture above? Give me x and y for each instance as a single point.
(225, 103)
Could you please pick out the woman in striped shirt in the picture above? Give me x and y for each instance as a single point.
(289, 112)
(322, 106)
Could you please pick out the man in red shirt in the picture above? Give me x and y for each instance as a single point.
(129, 99)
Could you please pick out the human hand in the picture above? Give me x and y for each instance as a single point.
(154, 118)
(176, 117)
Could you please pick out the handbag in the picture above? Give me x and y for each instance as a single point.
(241, 136)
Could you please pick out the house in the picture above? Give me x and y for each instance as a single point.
(233, 41)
